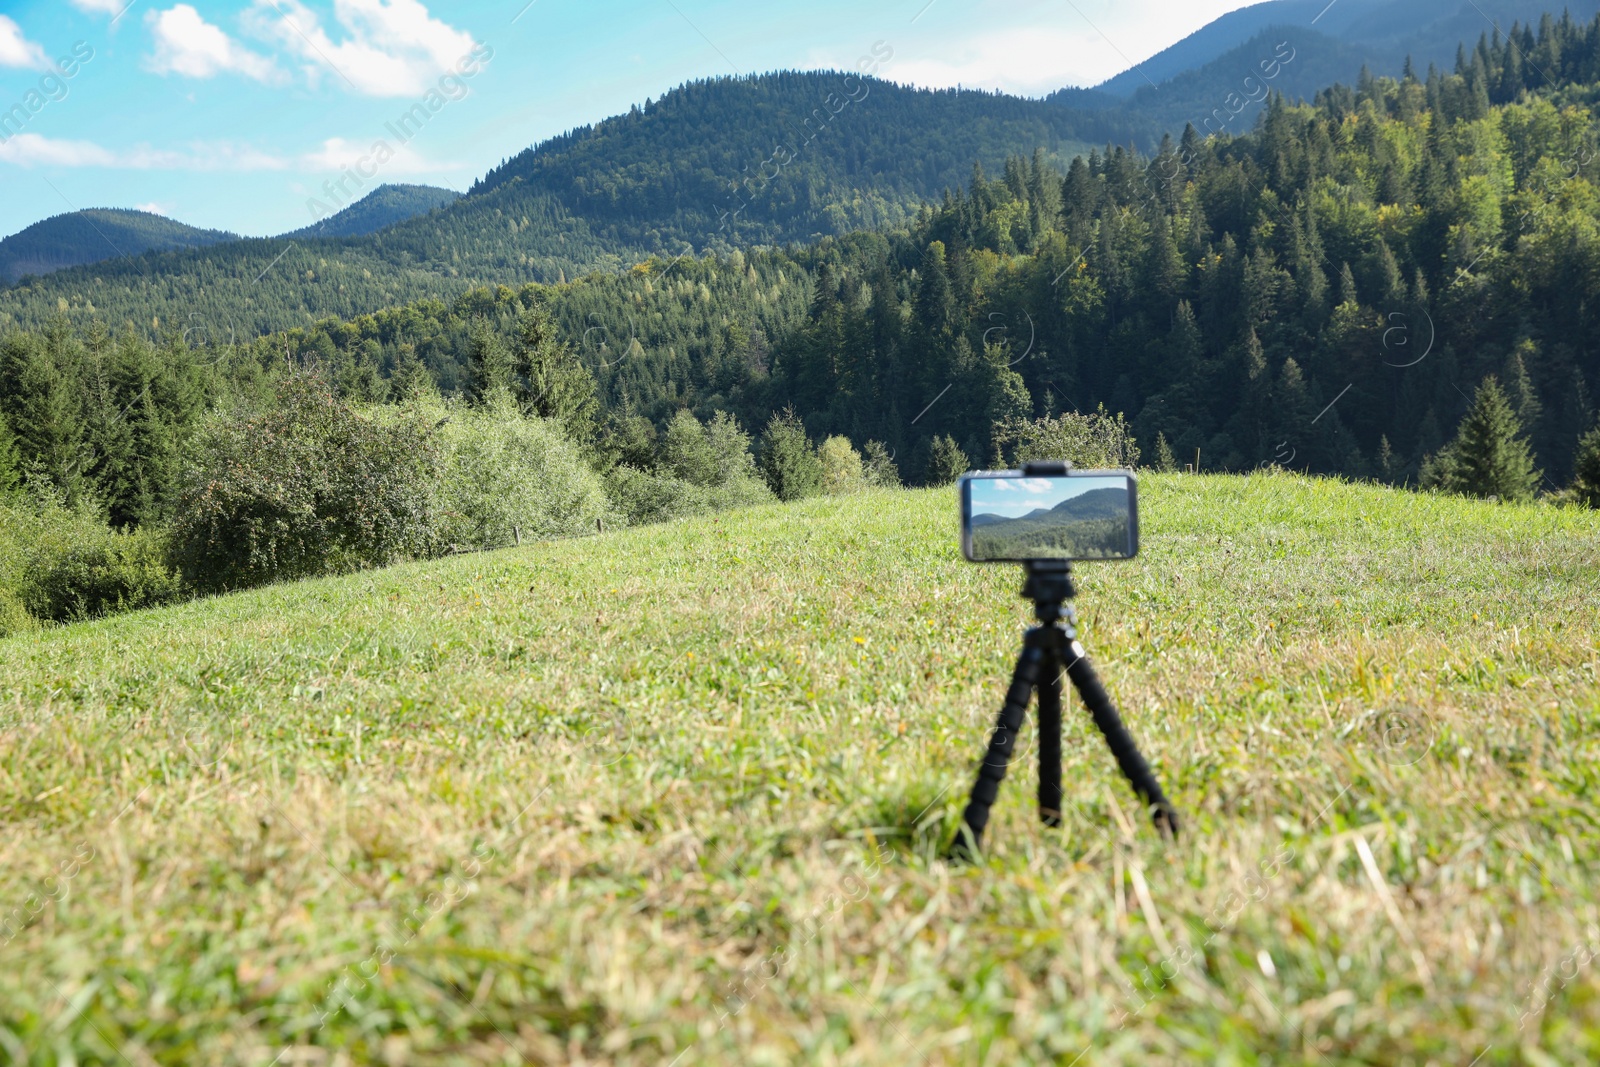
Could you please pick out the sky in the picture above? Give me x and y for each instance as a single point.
(1015, 497)
(233, 114)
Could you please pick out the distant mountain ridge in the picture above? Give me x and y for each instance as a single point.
(96, 234)
(728, 163)
(86, 238)
(385, 206)
(696, 170)
(1379, 34)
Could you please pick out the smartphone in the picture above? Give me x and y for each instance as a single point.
(1014, 517)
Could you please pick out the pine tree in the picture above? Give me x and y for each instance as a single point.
(1520, 393)
(551, 381)
(1489, 456)
(45, 413)
(788, 461)
(410, 380)
(878, 466)
(10, 460)
(1165, 462)
(489, 368)
(946, 461)
(935, 299)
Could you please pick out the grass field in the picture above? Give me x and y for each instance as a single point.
(677, 794)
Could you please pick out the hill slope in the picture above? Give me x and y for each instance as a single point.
(680, 788)
(97, 234)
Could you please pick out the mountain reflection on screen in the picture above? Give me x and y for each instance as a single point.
(1050, 518)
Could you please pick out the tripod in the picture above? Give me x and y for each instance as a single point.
(1048, 651)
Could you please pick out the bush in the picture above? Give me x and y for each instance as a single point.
(503, 475)
(1097, 440)
(100, 572)
(63, 564)
(841, 466)
(14, 617)
(310, 488)
(703, 468)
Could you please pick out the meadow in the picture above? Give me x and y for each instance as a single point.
(678, 794)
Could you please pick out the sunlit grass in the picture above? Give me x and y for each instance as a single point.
(683, 789)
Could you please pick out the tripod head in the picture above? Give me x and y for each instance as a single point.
(1049, 586)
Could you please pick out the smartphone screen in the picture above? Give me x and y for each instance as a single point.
(1008, 516)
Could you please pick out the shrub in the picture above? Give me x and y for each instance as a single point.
(703, 468)
(842, 471)
(686, 452)
(503, 475)
(307, 489)
(1096, 440)
(788, 461)
(63, 564)
(93, 571)
(14, 617)
(730, 452)
(641, 497)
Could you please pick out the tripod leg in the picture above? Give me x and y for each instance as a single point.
(993, 771)
(1106, 718)
(1050, 741)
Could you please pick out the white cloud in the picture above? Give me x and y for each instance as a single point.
(189, 45)
(32, 150)
(1028, 62)
(389, 47)
(108, 7)
(338, 154)
(152, 207)
(16, 50)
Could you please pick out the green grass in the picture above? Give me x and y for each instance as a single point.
(680, 791)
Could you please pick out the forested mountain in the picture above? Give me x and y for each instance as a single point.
(1380, 34)
(721, 164)
(1325, 293)
(384, 206)
(97, 234)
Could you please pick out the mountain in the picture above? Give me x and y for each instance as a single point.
(384, 206)
(1337, 38)
(81, 237)
(814, 153)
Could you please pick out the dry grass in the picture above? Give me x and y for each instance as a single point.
(677, 795)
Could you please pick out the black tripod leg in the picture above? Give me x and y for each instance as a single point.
(1122, 747)
(993, 771)
(1050, 742)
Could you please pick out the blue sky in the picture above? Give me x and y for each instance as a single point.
(233, 114)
